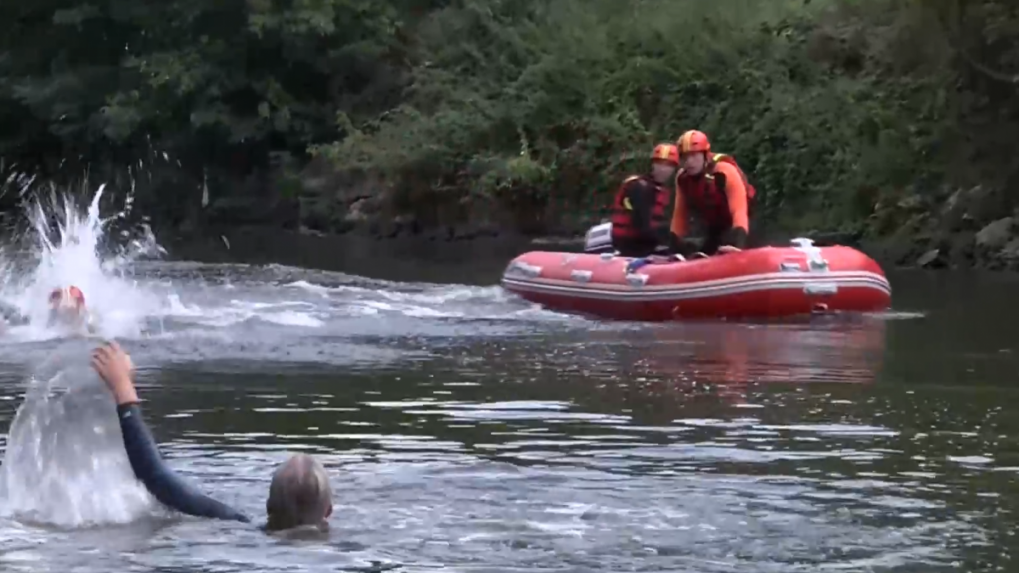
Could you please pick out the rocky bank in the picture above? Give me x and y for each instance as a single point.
(976, 227)
(962, 229)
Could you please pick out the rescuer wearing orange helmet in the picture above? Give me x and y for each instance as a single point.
(640, 223)
(717, 190)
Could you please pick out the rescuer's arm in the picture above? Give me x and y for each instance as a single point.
(678, 243)
(162, 482)
(736, 196)
(115, 368)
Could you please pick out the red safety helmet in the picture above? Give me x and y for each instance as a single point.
(693, 141)
(666, 152)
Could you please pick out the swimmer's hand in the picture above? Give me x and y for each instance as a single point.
(114, 366)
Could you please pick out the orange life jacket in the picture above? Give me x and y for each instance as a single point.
(709, 199)
(622, 213)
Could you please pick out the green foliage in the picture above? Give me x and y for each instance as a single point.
(522, 111)
(218, 85)
(806, 97)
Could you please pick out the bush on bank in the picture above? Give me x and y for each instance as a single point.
(540, 108)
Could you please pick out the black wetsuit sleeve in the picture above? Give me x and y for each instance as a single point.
(637, 192)
(737, 237)
(161, 481)
(664, 232)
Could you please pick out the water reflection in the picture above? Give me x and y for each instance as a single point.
(665, 372)
(731, 359)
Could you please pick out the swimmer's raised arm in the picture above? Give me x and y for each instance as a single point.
(300, 495)
(115, 368)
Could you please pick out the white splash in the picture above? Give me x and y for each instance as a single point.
(65, 463)
(64, 250)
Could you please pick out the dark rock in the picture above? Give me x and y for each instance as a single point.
(929, 259)
(307, 231)
(997, 234)
(970, 209)
(961, 248)
(895, 250)
(356, 210)
(911, 203)
(344, 227)
(1011, 250)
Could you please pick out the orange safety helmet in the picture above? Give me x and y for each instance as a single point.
(71, 293)
(693, 141)
(666, 151)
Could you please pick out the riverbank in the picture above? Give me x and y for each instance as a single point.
(928, 243)
(431, 258)
(974, 228)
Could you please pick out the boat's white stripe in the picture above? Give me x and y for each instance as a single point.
(661, 295)
(700, 290)
(745, 279)
(804, 276)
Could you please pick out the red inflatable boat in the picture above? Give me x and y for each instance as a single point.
(768, 282)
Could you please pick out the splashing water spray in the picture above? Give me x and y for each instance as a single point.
(64, 250)
(64, 463)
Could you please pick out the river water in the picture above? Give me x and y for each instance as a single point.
(466, 430)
